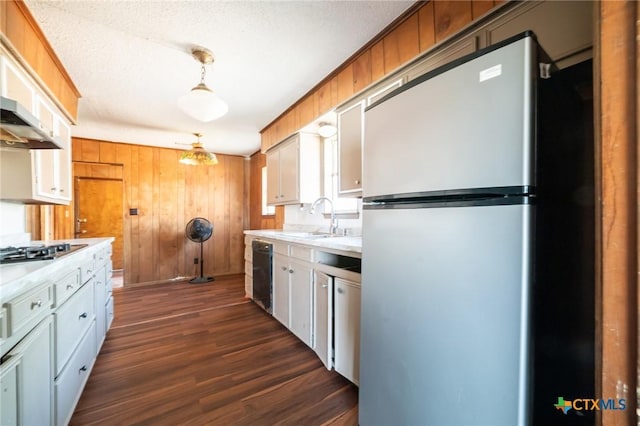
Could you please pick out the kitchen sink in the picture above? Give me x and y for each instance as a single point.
(311, 235)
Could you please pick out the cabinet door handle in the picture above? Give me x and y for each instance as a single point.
(339, 290)
(69, 286)
(325, 285)
(83, 368)
(37, 304)
(83, 315)
(284, 268)
(291, 271)
(357, 182)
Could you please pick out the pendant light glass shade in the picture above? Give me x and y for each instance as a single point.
(198, 155)
(201, 103)
(327, 130)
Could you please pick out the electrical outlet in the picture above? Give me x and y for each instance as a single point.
(195, 260)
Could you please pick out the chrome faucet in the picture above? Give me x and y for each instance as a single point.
(333, 227)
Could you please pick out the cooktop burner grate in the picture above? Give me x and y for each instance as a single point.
(36, 252)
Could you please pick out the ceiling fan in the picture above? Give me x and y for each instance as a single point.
(198, 155)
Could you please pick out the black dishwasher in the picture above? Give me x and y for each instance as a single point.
(262, 273)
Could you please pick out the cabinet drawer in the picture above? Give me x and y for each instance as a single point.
(32, 306)
(66, 286)
(87, 270)
(281, 248)
(302, 253)
(71, 322)
(69, 384)
(103, 257)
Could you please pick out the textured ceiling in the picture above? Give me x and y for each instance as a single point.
(131, 61)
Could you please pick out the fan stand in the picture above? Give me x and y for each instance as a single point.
(201, 279)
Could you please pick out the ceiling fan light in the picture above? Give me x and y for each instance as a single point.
(327, 130)
(202, 104)
(198, 156)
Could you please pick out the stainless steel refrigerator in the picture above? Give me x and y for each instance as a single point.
(477, 270)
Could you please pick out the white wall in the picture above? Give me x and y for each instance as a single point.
(12, 224)
(301, 219)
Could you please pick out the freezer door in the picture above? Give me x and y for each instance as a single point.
(445, 316)
(468, 127)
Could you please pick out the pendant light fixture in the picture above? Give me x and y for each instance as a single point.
(198, 155)
(326, 130)
(201, 103)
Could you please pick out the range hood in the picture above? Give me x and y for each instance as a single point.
(20, 129)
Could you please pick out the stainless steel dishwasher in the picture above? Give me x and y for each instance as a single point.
(262, 273)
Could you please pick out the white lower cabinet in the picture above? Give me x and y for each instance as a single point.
(49, 340)
(301, 300)
(71, 381)
(347, 329)
(323, 320)
(72, 321)
(293, 290)
(281, 288)
(26, 379)
(318, 307)
(248, 266)
(100, 299)
(110, 312)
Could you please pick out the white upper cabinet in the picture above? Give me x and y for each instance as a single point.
(293, 170)
(41, 176)
(351, 136)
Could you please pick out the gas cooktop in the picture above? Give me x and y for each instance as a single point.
(36, 252)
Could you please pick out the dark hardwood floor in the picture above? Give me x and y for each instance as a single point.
(180, 353)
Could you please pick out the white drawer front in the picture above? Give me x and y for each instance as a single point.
(303, 253)
(281, 248)
(24, 309)
(66, 286)
(71, 322)
(88, 268)
(69, 384)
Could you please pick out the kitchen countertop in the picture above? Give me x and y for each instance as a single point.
(17, 278)
(352, 245)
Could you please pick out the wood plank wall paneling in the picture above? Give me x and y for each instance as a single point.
(21, 30)
(402, 44)
(450, 16)
(423, 26)
(167, 195)
(618, 70)
(426, 27)
(257, 220)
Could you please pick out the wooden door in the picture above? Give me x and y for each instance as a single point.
(99, 212)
